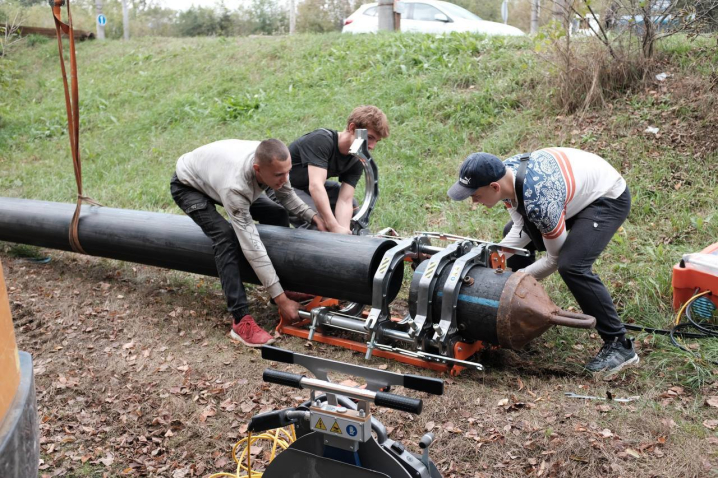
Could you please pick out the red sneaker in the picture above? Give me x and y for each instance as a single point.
(249, 333)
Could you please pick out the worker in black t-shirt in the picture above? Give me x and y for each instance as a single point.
(324, 154)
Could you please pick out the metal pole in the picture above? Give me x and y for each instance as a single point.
(534, 16)
(292, 17)
(100, 28)
(386, 15)
(125, 20)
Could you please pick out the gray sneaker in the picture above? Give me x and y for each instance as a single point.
(613, 356)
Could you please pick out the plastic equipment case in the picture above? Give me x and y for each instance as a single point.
(697, 272)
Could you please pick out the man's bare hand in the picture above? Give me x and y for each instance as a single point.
(339, 229)
(319, 222)
(287, 307)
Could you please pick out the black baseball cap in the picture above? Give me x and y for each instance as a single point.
(477, 170)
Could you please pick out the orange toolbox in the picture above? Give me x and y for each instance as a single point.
(696, 273)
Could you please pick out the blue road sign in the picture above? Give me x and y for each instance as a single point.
(101, 20)
(351, 430)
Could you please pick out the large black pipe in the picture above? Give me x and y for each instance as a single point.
(331, 265)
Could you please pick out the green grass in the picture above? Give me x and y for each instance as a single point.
(147, 101)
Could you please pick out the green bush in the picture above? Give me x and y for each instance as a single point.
(33, 40)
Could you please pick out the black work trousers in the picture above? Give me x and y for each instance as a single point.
(590, 231)
(227, 252)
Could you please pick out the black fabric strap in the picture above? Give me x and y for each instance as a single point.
(520, 175)
(351, 163)
(529, 227)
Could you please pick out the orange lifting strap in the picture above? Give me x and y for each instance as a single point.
(72, 104)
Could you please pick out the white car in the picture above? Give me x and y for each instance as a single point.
(427, 16)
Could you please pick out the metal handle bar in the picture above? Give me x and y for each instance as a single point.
(492, 246)
(381, 399)
(375, 378)
(573, 319)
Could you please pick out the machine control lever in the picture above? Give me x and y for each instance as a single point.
(283, 378)
(276, 419)
(381, 399)
(424, 444)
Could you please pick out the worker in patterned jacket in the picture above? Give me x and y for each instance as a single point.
(235, 174)
(568, 203)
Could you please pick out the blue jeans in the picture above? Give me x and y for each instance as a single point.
(590, 231)
(227, 252)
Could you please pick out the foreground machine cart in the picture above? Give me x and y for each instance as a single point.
(334, 430)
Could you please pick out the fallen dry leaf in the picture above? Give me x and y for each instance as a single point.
(181, 472)
(710, 424)
(208, 412)
(669, 422)
(633, 453)
(712, 401)
(542, 469)
(247, 407)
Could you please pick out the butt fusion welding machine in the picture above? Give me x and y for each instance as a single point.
(334, 430)
(462, 299)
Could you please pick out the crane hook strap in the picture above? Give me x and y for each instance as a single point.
(72, 105)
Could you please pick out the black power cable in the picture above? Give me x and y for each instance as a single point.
(702, 330)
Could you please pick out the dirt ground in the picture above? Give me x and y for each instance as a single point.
(136, 376)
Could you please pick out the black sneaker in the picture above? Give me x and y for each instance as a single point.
(613, 356)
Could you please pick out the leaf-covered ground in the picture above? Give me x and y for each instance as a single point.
(136, 376)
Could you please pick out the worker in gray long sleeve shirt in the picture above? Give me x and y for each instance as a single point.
(235, 174)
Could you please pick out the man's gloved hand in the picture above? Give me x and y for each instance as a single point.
(287, 307)
(542, 268)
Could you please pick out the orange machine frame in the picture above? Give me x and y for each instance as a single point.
(462, 350)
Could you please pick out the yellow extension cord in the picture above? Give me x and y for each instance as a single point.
(689, 302)
(283, 442)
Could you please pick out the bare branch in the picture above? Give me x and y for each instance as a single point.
(603, 37)
(689, 24)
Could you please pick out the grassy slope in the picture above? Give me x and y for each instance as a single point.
(147, 101)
